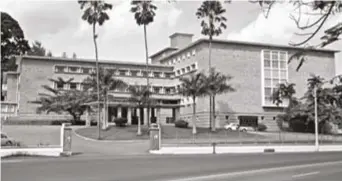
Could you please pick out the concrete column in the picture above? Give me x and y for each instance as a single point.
(119, 112)
(129, 116)
(87, 115)
(103, 119)
(145, 116)
(176, 113)
(158, 115)
(138, 113)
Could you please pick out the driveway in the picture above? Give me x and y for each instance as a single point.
(50, 135)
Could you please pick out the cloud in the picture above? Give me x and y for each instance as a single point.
(278, 27)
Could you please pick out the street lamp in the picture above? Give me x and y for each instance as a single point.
(316, 120)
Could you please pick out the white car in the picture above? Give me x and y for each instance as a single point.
(237, 127)
(231, 126)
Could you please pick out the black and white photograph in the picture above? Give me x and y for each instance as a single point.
(171, 90)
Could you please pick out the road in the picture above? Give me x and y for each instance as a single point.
(257, 167)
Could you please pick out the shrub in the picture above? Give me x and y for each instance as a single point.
(298, 125)
(121, 122)
(261, 127)
(181, 124)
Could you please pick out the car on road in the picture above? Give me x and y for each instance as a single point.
(7, 141)
(237, 127)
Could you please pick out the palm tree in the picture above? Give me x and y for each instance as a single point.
(95, 13)
(139, 96)
(284, 91)
(216, 83)
(193, 87)
(213, 21)
(144, 12)
(106, 83)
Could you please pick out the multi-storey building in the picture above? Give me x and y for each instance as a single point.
(256, 69)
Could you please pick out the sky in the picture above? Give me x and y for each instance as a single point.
(59, 27)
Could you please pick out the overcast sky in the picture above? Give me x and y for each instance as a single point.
(58, 25)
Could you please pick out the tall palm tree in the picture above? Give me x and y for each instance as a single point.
(217, 83)
(95, 13)
(193, 87)
(144, 12)
(140, 96)
(213, 21)
(106, 83)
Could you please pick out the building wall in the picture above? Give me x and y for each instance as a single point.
(12, 86)
(244, 64)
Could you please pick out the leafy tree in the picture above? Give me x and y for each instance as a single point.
(216, 83)
(58, 101)
(64, 55)
(140, 95)
(213, 21)
(13, 43)
(193, 86)
(95, 12)
(37, 49)
(106, 83)
(144, 13)
(74, 56)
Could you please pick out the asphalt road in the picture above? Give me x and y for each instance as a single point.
(257, 167)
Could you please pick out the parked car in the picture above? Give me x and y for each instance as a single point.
(231, 126)
(246, 128)
(6, 141)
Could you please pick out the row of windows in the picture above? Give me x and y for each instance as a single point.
(8, 108)
(186, 69)
(120, 72)
(181, 58)
(80, 86)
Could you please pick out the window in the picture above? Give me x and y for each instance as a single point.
(178, 72)
(60, 69)
(156, 90)
(168, 74)
(122, 72)
(73, 86)
(86, 70)
(275, 72)
(183, 70)
(74, 69)
(144, 73)
(59, 85)
(188, 68)
(156, 74)
(134, 72)
(193, 66)
(167, 90)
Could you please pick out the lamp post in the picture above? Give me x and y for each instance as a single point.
(316, 120)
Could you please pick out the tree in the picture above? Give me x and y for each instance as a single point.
(193, 86)
(144, 12)
(37, 49)
(321, 12)
(140, 95)
(216, 83)
(13, 43)
(74, 56)
(106, 83)
(95, 13)
(284, 91)
(49, 54)
(64, 55)
(213, 21)
(58, 101)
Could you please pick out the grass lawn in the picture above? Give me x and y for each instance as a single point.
(168, 132)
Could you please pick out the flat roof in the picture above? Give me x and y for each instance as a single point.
(163, 50)
(199, 41)
(92, 61)
(184, 34)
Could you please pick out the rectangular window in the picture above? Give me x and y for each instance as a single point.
(167, 91)
(73, 86)
(193, 66)
(156, 74)
(188, 68)
(59, 85)
(178, 72)
(122, 72)
(183, 70)
(144, 73)
(274, 72)
(74, 69)
(156, 90)
(60, 69)
(134, 72)
(86, 70)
